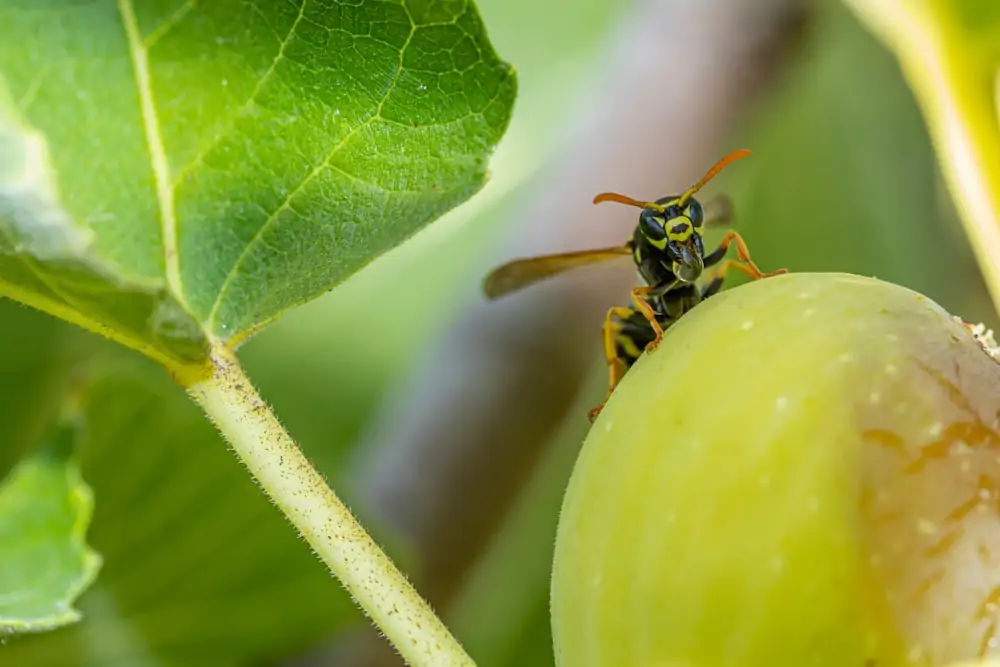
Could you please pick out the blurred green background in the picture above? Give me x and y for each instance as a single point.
(842, 179)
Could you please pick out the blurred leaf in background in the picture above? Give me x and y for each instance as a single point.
(199, 567)
(45, 511)
(844, 179)
(37, 355)
(949, 52)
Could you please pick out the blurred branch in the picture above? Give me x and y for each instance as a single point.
(453, 446)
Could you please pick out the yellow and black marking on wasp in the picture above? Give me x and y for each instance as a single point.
(669, 252)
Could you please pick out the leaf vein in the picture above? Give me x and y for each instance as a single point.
(277, 58)
(374, 186)
(157, 151)
(282, 45)
(171, 22)
(325, 164)
(28, 98)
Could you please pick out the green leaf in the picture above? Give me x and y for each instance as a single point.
(45, 508)
(805, 182)
(980, 21)
(37, 353)
(949, 53)
(180, 171)
(50, 262)
(199, 567)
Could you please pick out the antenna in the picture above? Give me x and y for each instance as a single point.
(712, 173)
(622, 199)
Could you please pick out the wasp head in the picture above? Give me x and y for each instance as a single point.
(673, 224)
(675, 230)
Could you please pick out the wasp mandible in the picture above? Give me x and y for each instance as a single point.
(669, 252)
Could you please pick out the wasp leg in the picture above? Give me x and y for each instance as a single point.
(746, 265)
(639, 298)
(713, 286)
(720, 274)
(616, 367)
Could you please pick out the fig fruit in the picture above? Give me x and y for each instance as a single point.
(806, 472)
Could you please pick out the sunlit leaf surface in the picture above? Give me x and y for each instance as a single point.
(172, 171)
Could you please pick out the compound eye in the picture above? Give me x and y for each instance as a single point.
(652, 226)
(696, 214)
(673, 211)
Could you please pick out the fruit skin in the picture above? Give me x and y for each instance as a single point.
(806, 472)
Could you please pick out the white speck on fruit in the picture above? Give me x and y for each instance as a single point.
(747, 325)
(597, 580)
(875, 560)
(926, 526)
(985, 494)
(777, 564)
(808, 311)
(892, 337)
(875, 397)
(916, 653)
(765, 481)
(803, 295)
(993, 642)
(781, 402)
(814, 504)
(845, 357)
(890, 369)
(670, 518)
(935, 429)
(607, 426)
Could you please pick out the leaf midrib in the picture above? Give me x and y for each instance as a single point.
(139, 52)
(157, 151)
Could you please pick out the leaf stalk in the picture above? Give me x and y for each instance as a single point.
(301, 493)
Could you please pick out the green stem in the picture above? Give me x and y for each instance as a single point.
(327, 524)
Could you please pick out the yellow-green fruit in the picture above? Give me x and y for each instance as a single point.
(806, 472)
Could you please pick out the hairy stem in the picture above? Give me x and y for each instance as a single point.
(327, 524)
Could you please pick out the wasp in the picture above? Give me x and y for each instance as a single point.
(669, 253)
